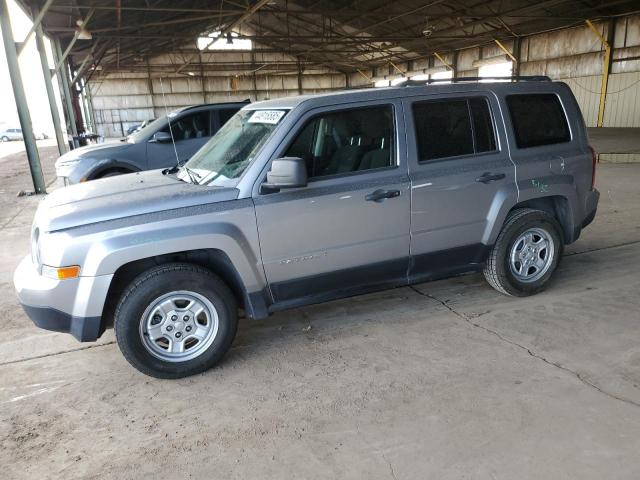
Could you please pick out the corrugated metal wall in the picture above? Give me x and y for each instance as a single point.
(572, 55)
(576, 57)
(121, 100)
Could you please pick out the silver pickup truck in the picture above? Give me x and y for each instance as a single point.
(306, 199)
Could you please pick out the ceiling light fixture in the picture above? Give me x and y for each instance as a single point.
(81, 32)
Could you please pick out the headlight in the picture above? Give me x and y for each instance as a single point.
(35, 247)
(68, 163)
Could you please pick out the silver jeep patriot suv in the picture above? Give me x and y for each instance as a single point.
(305, 199)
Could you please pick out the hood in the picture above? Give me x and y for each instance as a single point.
(97, 151)
(122, 196)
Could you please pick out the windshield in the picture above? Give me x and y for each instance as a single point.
(142, 134)
(226, 156)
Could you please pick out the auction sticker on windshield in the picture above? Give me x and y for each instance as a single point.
(266, 116)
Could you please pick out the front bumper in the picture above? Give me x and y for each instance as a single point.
(85, 329)
(73, 306)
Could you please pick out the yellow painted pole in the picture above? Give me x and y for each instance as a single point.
(505, 50)
(365, 76)
(605, 72)
(397, 68)
(439, 57)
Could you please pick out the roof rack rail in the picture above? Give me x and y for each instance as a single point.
(519, 78)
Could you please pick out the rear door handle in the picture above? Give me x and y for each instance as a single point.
(488, 177)
(379, 195)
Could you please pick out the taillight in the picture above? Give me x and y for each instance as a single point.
(594, 160)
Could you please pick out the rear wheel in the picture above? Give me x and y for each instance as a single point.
(526, 253)
(175, 320)
(5, 139)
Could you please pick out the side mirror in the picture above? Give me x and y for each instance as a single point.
(161, 137)
(287, 172)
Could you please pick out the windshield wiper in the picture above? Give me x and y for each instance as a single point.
(193, 176)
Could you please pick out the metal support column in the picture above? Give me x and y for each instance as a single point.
(606, 64)
(85, 111)
(92, 113)
(46, 73)
(517, 53)
(66, 92)
(151, 93)
(454, 64)
(299, 77)
(21, 100)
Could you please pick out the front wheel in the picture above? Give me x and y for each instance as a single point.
(175, 320)
(5, 139)
(526, 253)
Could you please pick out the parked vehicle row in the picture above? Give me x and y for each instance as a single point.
(180, 133)
(306, 199)
(9, 134)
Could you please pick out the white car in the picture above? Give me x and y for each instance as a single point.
(11, 134)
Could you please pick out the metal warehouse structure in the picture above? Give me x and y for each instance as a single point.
(126, 61)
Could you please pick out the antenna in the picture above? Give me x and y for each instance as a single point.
(166, 112)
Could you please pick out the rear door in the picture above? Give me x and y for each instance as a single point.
(548, 144)
(460, 174)
(348, 229)
(190, 132)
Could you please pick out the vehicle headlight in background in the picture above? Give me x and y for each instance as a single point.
(61, 273)
(35, 247)
(68, 163)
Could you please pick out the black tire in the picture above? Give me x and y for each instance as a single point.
(5, 139)
(111, 173)
(151, 285)
(498, 271)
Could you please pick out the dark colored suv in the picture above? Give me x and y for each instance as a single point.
(149, 148)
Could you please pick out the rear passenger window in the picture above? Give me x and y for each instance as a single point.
(452, 128)
(538, 119)
(225, 114)
(346, 141)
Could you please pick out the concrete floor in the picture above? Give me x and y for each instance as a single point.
(615, 140)
(449, 379)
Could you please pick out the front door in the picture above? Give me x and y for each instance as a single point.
(461, 173)
(189, 132)
(348, 229)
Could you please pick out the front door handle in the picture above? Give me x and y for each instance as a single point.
(379, 195)
(488, 177)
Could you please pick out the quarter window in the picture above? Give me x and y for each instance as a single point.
(538, 119)
(346, 141)
(451, 128)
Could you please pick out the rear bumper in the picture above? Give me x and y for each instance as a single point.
(73, 306)
(590, 207)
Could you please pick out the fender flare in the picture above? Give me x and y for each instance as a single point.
(106, 257)
(110, 164)
(536, 189)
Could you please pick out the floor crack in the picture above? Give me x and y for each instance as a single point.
(391, 470)
(11, 362)
(526, 349)
(598, 249)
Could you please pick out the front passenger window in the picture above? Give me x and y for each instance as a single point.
(189, 127)
(346, 141)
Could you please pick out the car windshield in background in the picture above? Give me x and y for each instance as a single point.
(142, 134)
(223, 158)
